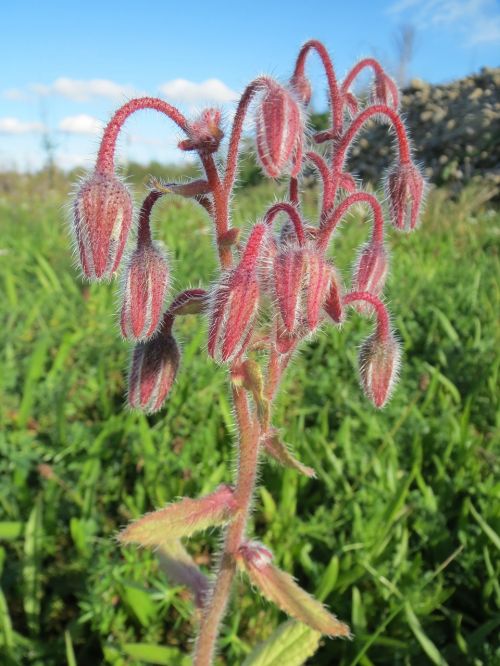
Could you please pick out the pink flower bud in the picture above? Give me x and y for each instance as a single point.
(302, 87)
(370, 272)
(152, 371)
(279, 131)
(405, 190)
(333, 302)
(255, 554)
(384, 91)
(205, 133)
(289, 269)
(235, 303)
(301, 278)
(379, 361)
(143, 292)
(102, 218)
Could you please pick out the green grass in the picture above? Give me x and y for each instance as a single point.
(399, 532)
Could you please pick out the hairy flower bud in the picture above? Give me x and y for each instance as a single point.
(302, 87)
(301, 278)
(405, 190)
(235, 302)
(279, 131)
(153, 370)
(102, 218)
(370, 272)
(379, 360)
(205, 133)
(333, 302)
(143, 291)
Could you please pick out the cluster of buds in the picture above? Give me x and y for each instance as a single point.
(274, 290)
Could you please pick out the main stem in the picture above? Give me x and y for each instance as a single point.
(215, 606)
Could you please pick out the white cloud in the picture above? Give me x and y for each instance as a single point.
(14, 94)
(189, 92)
(478, 19)
(16, 126)
(81, 124)
(83, 90)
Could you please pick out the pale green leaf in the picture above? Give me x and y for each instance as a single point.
(292, 643)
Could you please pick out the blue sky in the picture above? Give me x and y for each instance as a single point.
(67, 65)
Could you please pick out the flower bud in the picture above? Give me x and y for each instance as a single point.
(370, 272)
(143, 291)
(302, 278)
(102, 218)
(333, 302)
(279, 131)
(152, 371)
(384, 91)
(289, 269)
(302, 87)
(379, 361)
(235, 303)
(405, 190)
(205, 133)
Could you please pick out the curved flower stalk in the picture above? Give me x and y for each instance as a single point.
(272, 291)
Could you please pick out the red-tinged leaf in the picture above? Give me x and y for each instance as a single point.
(182, 519)
(281, 453)
(180, 568)
(280, 588)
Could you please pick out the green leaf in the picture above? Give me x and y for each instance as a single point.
(10, 530)
(5, 622)
(31, 570)
(70, 653)
(490, 532)
(290, 644)
(181, 519)
(427, 645)
(156, 654)
(139, 602)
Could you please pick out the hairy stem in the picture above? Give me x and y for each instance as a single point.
(215, 605)
(106, 156)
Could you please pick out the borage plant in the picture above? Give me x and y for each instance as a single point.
(275, 289)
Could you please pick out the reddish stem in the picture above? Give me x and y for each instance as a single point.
(333, 87)
(332, 221)
(144, 226)
(378, 70)
(293, 191)
(215, 605)
(383, 323)
(358, 122)
(232, 155)
(324, 171)
(293, 214)
(106, 155)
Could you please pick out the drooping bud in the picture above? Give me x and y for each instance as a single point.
(153, 370)
(384, 91)
(102, 218)
(333, 302)
(302, 278)
(370, 272)
(143, 291)
(279, 131)
(405, 190)
(235, 302)
(302, 87)
(379, 361)
(289, 269)
(205, 133)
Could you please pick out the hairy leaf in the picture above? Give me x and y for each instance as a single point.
(291, 644)
(281, 453)
(180, 568)
(181, 519)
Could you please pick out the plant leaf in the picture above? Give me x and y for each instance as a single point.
(181, 519)
(281, 453)
(180, 568)
(291, 644)
(280, 588)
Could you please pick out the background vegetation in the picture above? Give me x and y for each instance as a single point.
(399, 532)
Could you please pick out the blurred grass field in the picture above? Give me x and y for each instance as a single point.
(399, 534)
